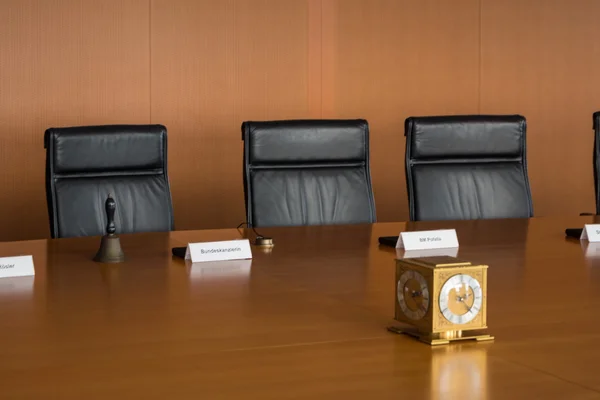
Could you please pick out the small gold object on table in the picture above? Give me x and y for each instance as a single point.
(444, 299)
(110, 247)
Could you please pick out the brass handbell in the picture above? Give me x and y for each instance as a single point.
(110, 247)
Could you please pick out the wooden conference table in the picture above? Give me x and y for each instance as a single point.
(307, 320)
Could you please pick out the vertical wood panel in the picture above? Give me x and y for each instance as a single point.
(394, 59)
(201, 67)
(62, 62)
(214, 65)
(541, 58)
(315, 58)
(329, 49)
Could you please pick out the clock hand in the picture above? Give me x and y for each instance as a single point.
(462, 299)
(467, 306)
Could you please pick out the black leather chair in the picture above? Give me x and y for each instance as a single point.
(596, 156)
(307, 172)
(467, 167)
(85, 164)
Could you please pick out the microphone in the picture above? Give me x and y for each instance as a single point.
(259, 240)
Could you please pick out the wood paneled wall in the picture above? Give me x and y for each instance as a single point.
(201, 67)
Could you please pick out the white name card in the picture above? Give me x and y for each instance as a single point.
(16, 266)
(218, 251)
(427, 240)
(591, 232)
(450, 252)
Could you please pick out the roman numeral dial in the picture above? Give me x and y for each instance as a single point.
(413, 294)
(460, 299)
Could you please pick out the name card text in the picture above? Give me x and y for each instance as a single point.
(11, 267)
(218, 251)
(427, 240)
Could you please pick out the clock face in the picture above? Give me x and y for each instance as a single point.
(413, 295)
(461, 298)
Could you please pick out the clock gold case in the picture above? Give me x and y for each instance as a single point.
(443, 299)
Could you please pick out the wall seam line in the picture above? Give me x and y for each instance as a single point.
(150, 61)
(479, 87)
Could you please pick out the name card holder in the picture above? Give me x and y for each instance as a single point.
(11, 267)
(591, 232)
(218, 251)
(427, 240)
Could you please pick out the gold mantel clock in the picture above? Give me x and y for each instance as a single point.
(442, 298)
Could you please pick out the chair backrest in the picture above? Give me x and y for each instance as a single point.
(85, 164)
(596, 158)
(307, 172)
(467, 167)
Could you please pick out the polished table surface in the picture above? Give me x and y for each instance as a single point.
(306, 320)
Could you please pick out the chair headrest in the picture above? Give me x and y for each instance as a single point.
(466, 136)
(106, 148)
(315, 141)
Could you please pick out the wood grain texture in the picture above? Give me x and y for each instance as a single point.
(315, 58)
(201, 67)
(539, 60)
(395, 59)
(63, 62)
(305, 320)
(214, 65)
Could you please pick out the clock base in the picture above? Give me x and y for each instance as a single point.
(436, 339)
